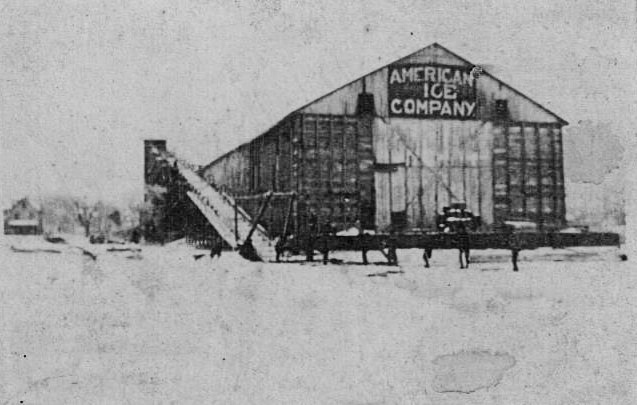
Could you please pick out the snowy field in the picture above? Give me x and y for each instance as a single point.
(163, 328)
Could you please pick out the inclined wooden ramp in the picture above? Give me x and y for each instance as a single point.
(235, 227)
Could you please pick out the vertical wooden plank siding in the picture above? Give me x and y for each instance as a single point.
(560, 170)
(538, 154)
(486, 172)
(503, 170)
(533, 174)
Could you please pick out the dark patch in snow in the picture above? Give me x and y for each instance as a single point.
(467, 372)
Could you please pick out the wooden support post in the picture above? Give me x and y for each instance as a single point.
(479, 170)
(288, 216)
(523, 175)
(236, 222)
(360, 124)
(421, 191)
(463, 140)
(538, 151)
(391, 189)
(262, 209)
(450, 135)
(554, 176)
(406, 185)
(330, 166)
(560, 159)
(507, 147)
(318, 184)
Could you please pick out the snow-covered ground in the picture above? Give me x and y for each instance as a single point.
(165, 328)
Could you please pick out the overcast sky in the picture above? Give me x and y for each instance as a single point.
(82, 83)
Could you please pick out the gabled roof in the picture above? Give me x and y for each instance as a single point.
(518, 92)
(433, 45)
(26, 203)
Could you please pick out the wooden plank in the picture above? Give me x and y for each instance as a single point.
(331, 164)
(302, 158)
(507, 147)
(448, 138)
(487, 155)
(561, 190)
(343, 156)
(540, 213)
(463, 147)
(421, 190)
(381, 185)
(317, 160)
(555, 176)
(523, 169)
(478, 151)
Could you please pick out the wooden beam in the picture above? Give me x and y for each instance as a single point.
(479, 168)
(538, 153)
(421, 191)
(449, 148)
(288, 216)
(560, 157)
(554, 174)
(256, 220)
(507, 150)
(523, 169)
(464, 164)
(236, 221)
(317, 159)
(262, 195)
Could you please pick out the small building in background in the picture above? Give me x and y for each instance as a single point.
(23, 218)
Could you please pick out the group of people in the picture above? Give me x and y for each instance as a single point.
(463, 242)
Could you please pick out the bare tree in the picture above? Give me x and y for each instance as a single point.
(85, 214)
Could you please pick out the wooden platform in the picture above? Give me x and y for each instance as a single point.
(485, 240)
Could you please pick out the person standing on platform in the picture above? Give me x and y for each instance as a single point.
(216, 247)
(426, 255)
(463, 245)
(392, 244)
(327, 231)
(513, 240)
(280, 247)
(312, 233)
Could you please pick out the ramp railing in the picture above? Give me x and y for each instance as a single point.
(222, 212)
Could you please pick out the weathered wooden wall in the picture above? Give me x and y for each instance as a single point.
(444, 162)
(327, 160)
(435, 162)
(529, 173)
(382, 170)
(336, 177)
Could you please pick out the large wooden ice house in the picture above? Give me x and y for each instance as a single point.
(392, 148)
